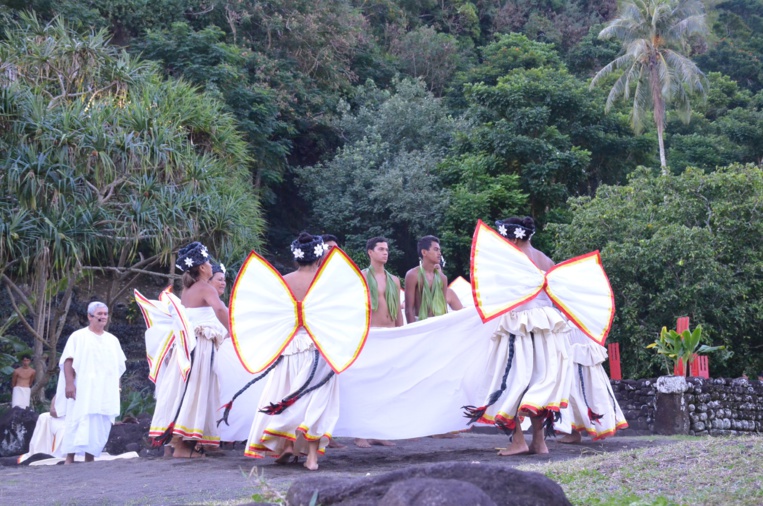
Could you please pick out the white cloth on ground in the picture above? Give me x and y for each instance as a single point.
(98, 363)
(21, 397)
(409, 381)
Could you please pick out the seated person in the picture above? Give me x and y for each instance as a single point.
(48, 435)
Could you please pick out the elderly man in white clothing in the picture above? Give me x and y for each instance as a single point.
(88, 387)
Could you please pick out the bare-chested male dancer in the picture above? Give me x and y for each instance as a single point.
(385, 302)
(426, 286)
(21, 383)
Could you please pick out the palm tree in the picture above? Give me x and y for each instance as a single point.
(655, 37)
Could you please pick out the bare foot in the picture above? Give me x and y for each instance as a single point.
(167, 451)
(381, 442)
(538, 446)
(362, 443)
(517, 447)
(335, 444)
(573, 438)
(187, 451)
(311, 466)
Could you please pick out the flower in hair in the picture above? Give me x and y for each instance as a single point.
(502, 230)
(519, 233)
(298, 253)
(325, 247)
(222, 268)
(189, 262)
(319, 250)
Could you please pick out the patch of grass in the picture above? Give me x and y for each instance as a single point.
(265, 491)
(708, 470)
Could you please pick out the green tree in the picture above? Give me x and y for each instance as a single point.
(106, 168)
(684, 245)
(383, 181)
(655, 34)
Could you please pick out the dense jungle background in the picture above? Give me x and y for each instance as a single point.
(131, 127)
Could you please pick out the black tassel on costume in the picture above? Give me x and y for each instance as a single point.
(166, 436)
(473, 413)
(280, 407)
(593, 416)
(229, 405)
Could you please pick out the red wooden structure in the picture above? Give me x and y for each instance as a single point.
(700, 366)
(614, 361)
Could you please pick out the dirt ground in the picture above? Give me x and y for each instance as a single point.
(223, 479)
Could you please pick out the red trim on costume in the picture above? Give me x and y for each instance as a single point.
(253, 256)
(568, 313)
(483, 228)
(298, 310)
(338, 251)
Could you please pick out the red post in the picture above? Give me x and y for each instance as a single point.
(614, 361)
(681, 324)
(703, 366)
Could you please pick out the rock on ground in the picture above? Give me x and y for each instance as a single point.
(16, 428)
(433, 484)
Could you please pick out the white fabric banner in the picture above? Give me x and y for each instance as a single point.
(412, 381)
(408, 381)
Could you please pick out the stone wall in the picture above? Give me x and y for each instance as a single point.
(715, 406)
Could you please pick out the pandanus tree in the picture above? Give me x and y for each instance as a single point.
(655, 71)
(106, 168)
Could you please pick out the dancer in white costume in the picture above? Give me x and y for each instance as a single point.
(88, 387)
(529, 357)
(592, 408)
(301, 398)
(188, 399)
(516, 284)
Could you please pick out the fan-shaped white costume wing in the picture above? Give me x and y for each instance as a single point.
(185, 336)
(337, 310)
(160, 332)
(502, 276)
(263, 314)
(580, 288)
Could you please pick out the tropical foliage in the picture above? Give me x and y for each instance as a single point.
(106, 168)
(394, 117)
(673, 246)
(681, 348)
(656, 72)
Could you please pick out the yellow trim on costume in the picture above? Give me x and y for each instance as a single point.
(598, 336)
(364, 283)
(254, 257)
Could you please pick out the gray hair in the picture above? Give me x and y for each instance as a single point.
(94, 306)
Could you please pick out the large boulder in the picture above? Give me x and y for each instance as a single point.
(16, 429)
(441, 483)
(130, 435)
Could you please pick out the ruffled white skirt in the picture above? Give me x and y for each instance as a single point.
(591, 388)
(311, 418)
(538, 379)
(199, 407)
